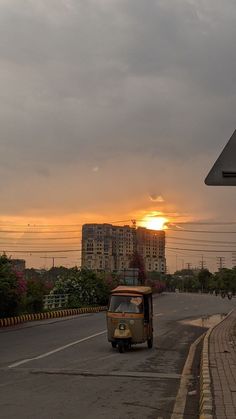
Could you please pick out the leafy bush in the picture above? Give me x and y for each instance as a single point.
(85, 287)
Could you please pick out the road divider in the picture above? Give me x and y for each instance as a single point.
(13, 321)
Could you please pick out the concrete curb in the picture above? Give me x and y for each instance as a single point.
(12, 321)
(206, 398)
(180, 401)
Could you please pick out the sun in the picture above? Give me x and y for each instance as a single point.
(154, 223)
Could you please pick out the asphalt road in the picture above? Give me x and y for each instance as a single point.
(65, 368)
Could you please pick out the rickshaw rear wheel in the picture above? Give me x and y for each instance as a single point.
(113, 344)
(150, 343)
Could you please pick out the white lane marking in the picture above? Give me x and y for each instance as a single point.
(159, 314)
(61, 348)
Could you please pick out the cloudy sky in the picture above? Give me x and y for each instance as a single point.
(107, 105)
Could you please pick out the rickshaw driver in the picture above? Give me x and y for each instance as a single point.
(127, 307)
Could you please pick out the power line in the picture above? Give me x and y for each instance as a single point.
(201, 250)
(79, 238)
(41, 238)
(39, 232)
(200, 231)
(111, 222)
(39, 245)
(186, 255)
(41, 251)
(61, 225)
(198, 240)
(202, 223)
(207, 245)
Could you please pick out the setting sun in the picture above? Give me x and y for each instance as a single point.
(154, 223)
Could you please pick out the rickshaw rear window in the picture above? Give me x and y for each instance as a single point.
(126, 304)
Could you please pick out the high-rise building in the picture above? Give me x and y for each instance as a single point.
(151, 245)
(110, 248)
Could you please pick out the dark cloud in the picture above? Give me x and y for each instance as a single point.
(101, 83)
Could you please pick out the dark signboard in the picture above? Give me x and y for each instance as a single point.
(223, 172)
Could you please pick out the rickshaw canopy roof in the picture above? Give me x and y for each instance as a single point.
(131, 289)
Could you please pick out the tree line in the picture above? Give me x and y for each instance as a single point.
(24, 292)
(203, 280)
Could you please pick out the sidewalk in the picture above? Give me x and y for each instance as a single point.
(222, 365)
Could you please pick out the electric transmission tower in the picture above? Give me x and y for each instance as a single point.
(220, 262)
(53, 259)
(202, 263)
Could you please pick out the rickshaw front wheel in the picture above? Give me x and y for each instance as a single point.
(121, 347)
(150, 343)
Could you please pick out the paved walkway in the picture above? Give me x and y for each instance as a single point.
(222, 362)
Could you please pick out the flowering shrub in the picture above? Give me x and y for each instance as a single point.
(83, 286)
(18, 295)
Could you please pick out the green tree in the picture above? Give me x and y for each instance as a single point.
(186, 280)
(36, 289)
(10, 299)
(138, 263)
(204, 277)
(225, 279)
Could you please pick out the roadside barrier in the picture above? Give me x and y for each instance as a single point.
(12, 321)
(206, 403)
(206, 398)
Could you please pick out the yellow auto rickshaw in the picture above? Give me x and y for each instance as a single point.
(130, 316)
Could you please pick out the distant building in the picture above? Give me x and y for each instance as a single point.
(107, 247)
(151, 245)
(110, 248)
(18, 265)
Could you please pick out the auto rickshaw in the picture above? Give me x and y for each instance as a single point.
(130, 317)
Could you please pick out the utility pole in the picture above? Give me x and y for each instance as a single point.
(202, 263)
(234, 259)
(53, 258)
(189, 265)
(182, 260)
(220, 262)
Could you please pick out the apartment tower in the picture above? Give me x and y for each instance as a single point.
(110, 248)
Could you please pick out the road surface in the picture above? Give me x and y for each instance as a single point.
(66, 369)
